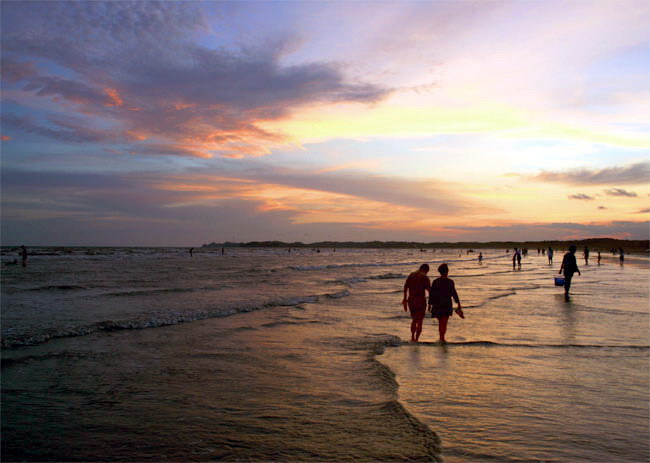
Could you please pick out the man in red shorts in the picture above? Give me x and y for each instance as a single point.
(415, 299)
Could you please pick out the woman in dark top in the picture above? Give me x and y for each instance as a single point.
(440, 295)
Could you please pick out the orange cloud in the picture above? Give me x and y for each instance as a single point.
(5, 137)
(114, 96)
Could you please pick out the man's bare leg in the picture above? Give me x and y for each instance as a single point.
(418, 329)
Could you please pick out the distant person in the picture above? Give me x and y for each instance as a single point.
(415, 299)
(543, 251)
(585, 253)
(23, 254)
(223, 251)
(519, 258)
(191, 252)
(480, 257)
(550, 255)
(514, 259)
(442, 291)
(599, 257)
(569, 266)
(621, 255)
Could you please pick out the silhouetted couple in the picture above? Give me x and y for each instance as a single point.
(441, 292)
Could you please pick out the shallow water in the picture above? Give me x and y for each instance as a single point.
(139, 354)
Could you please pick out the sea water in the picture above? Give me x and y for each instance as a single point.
(140, 354)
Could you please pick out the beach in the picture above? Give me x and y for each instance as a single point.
(148, 354)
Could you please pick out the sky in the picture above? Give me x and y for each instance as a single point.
(137, 123)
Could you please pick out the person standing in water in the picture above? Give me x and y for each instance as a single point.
(550, 255)
(442, 291)
(480, 257)
(415, 299)
(569, 266)
(586, 255)
(621, 255)
(23, 254)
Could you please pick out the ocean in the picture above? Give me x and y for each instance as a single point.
(148, 354)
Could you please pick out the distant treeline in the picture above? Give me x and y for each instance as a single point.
(603, 244)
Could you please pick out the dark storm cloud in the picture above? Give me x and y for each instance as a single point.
(631, 174)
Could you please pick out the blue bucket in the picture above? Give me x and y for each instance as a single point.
(559, 281)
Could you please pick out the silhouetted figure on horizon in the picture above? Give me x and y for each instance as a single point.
(621, 255)
(599, 257)
(191, 252)
(585, 253)
(480, 257)
(23, 254)
(516, 257)
(415, 299)
(442, 291)
(550, 255)
(569, 266)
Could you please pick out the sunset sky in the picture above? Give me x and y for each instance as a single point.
(178, 124)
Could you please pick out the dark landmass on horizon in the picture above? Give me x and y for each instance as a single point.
(603, 244)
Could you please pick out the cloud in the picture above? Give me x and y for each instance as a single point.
(61, 129)
(644, 211)
(132, 66)
(620, 192)
(602, 207)
(582, 196)
(632, 174)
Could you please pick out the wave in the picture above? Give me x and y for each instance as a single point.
(151, 292)
(339, 295)
(431, 440)
(530, 345)
(13, 289)
(290, 322)
(371, 264)
(153, 321)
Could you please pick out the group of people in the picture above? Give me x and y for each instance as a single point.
(441, 292)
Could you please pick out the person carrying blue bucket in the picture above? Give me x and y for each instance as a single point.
(569, 266)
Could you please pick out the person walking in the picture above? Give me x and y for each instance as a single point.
(569, 267)
(550, 255)
(442, 291)
(415, 299)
